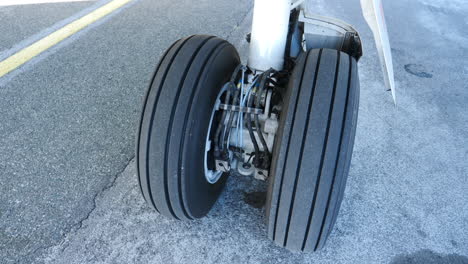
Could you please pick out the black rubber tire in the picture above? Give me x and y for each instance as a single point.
(174, 124)
(313, 150)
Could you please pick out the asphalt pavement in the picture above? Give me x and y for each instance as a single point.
(69, 192)
(21, 22)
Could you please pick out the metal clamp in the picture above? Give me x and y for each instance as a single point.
(236, 108)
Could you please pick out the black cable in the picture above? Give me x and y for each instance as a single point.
(231, 119)
(249, 127)
(221, 124)
(251, 156)
(273, 82)
(260, 134)
(257, 105)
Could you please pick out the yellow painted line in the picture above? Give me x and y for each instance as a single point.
(26, 54)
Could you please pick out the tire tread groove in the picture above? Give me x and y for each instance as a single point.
(182, 143)
(141, 124)
(340, 144)
(298, 168)
(330, 112)
(287, 151)
(321, 130)
(354, 109)
(171, 121)
(153, 112)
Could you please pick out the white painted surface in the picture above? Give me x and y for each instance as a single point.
(374, 15)
(269, 33)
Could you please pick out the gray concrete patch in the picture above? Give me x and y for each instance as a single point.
(68, 127)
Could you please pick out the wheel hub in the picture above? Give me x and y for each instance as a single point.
(212, 175)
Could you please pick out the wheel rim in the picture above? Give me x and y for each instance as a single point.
(212, 176)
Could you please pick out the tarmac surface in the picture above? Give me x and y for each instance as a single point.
(69, 192)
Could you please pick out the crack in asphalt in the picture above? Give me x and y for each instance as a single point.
(107, 187)
(76, 227)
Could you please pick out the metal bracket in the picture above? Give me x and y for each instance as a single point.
(327, 32)
(223, 165)
(261, 174)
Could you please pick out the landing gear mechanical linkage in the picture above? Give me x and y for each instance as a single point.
(288, 116)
